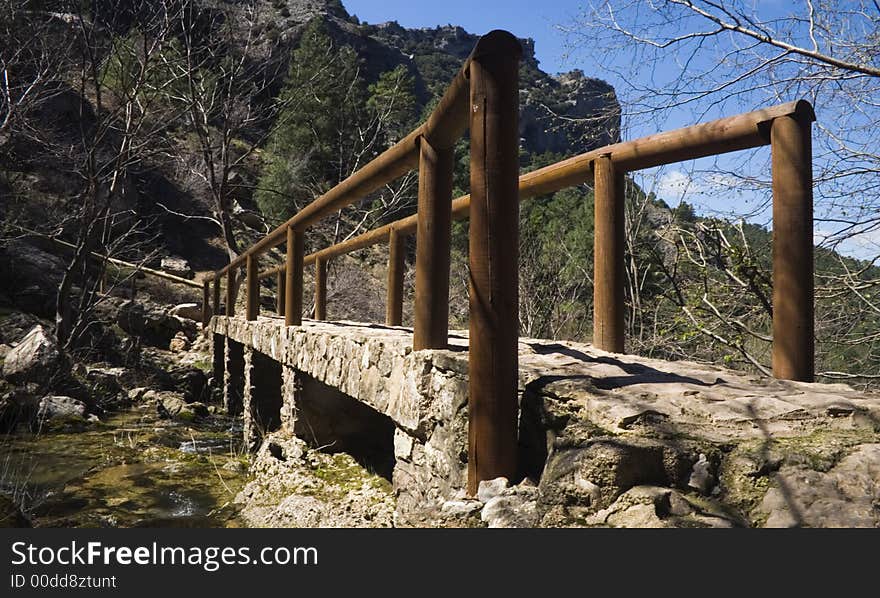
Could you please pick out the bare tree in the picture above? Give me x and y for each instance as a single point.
(229, 72)
(120, 127)
(697, 59)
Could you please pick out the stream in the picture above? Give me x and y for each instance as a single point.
(130, 470)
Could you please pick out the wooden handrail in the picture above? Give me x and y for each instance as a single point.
(483, 97)
(743, 131)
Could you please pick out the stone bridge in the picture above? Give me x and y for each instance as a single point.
(593, 425)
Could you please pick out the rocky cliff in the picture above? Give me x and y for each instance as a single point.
(566, 114)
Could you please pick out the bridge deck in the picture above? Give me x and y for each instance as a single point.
(618, 388)
(572, 397)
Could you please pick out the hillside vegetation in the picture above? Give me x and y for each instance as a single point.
(191, 128)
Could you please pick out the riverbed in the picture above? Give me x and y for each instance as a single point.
(132, 469)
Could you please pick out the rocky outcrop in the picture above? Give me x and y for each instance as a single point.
(37, 358)
(15, 326)
(567, 114)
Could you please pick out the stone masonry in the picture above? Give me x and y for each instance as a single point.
(605, 439)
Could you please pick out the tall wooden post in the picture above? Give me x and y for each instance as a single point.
(252, 303)
(431, 309)
(793, 325)
(206, 303)
(230, 292)
(216, 296)
(293, 278)
(494, 259)
(608, 252)
(320, 289)
(396, 269)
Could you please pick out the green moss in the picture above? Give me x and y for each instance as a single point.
(747, 471)
(204, 364)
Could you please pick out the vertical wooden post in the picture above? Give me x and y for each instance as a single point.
(230, 293)
(608, 251)
(494, 259)
(252, 303)
(431, 309)
(280, 290)
(320, 289)
(293, 278)
(394, 286)
(216, 295)
(793, 325)
(206, 303)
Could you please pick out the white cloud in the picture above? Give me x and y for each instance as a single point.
(673, 185)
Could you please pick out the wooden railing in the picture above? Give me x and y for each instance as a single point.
(484, 98)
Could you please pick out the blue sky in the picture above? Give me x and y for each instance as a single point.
(694, 182)
(523, 18)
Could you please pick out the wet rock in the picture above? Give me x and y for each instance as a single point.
(61, 408)
(135, 395)
(169, 405)
(37, 358)
(104, 385)
(11, 515)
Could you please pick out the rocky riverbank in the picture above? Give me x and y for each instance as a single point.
(123, 434)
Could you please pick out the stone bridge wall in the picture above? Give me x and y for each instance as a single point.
(423, 393)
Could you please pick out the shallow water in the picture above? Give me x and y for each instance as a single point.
(131, 470)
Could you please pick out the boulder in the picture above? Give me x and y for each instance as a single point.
(149, 322)
(190, 382)
(170, 405)
(37, 358)
(176, 266)
(30, 277)
(104, 384)
(179, 343)
(61, 408)
(516, 506)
